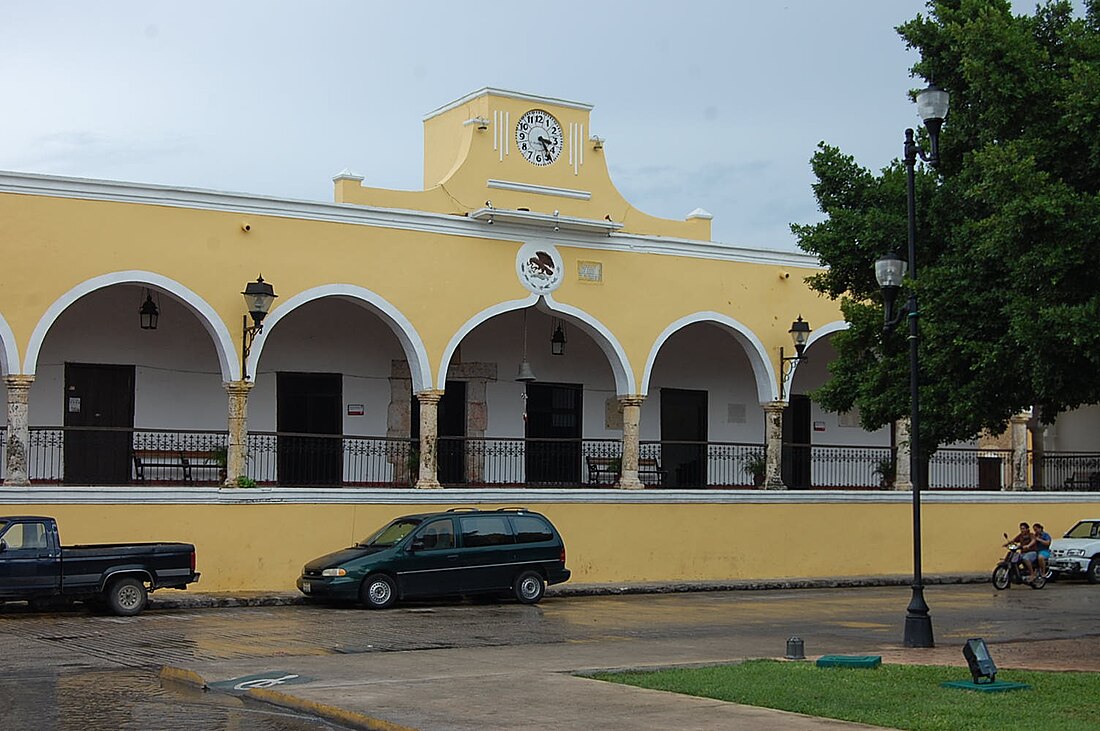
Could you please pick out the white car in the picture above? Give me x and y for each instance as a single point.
(1078, 551)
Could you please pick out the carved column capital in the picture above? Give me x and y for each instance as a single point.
(429, 396)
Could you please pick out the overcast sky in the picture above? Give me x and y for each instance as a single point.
(717, 105)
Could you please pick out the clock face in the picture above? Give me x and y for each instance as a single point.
(539, 137)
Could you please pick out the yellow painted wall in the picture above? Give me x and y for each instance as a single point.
(53, 244)
(262, 547)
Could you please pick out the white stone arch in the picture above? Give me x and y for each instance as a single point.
(762, 369)
(815, 335)
(219, 333)
(603, 337)
(9, 352)
(411, 342)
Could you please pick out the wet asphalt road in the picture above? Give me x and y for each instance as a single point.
(75, 670)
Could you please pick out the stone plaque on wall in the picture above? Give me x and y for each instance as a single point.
(613, 414)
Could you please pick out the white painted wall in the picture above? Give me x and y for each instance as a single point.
(500, 341)
(330, 335)
(1074, 431)
(826, 428)
(706, 357)
(178, 383)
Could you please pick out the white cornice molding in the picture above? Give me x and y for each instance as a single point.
(582, 195)
(56, 186)
(137, 495)
(488, 90)
(545, 221)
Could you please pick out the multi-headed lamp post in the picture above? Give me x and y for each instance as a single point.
(890, 271)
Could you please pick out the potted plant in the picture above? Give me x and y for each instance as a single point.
(756, 464)
(886, 471)
(220, 455)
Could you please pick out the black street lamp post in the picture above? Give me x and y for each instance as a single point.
(889, 271)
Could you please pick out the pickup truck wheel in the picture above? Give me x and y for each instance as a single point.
(1094, 570)
(529, 587)
(126, 596)
(378, 592)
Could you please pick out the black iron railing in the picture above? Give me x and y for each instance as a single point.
(823, 466)
(120, 456)
(307, 460)
(1066, 470)
(970, 469)
(101, 456)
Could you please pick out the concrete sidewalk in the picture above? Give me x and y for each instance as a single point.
(513, 687)
(533, 686)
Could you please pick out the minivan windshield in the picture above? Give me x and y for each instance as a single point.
(390, 534)
(1084, 529)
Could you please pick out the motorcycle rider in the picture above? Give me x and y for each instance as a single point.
(1025, 539)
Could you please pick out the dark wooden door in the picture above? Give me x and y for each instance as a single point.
(99, 422)
(684, 437)
(452, 432)
(796, 443)
(308, 404)
(553, 432)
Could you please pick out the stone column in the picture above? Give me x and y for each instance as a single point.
(429, 412)
(17, 449)
(628, 466)
(236, 456)
(773, 445)
(903, 479)
(1018, 427)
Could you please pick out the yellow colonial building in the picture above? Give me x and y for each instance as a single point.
(515, 324)
(401, 315)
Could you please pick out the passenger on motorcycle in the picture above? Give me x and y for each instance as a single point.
(1042, 547)
(1025, 540)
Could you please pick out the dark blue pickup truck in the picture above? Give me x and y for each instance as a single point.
(35, 567)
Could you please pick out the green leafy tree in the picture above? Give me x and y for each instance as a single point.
(1008, 229)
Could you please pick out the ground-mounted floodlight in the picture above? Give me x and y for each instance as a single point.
(982, 667)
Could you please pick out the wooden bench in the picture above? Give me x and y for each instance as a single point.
(186, 461)
(607, 470)
(603, 470)
(650, 472)
(1087, 480)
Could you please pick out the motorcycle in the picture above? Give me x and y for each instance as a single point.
(1008, 571)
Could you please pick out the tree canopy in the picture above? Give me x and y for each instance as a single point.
(1008, 229)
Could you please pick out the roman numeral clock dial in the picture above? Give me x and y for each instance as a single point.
(539, 137)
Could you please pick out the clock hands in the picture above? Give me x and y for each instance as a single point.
(546, 144)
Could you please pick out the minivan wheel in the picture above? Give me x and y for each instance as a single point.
(529, 587)
(378, 592)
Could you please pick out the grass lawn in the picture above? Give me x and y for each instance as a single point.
(895, 696)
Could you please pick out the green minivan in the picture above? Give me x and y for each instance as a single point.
(460, 551)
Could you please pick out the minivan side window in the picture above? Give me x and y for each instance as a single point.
(438, 535)
(530, 529)
(485, 530)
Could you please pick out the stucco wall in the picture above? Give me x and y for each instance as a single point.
(610, 537)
